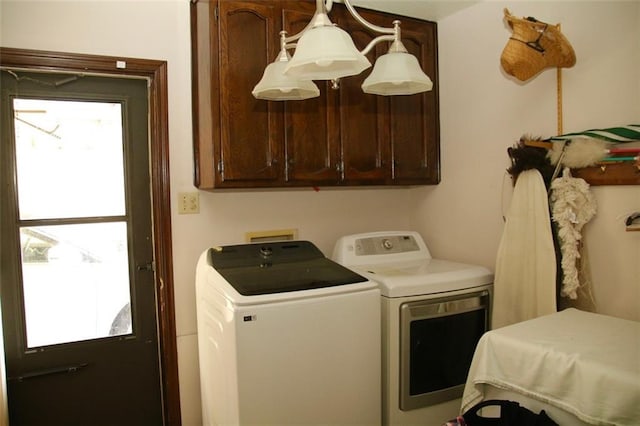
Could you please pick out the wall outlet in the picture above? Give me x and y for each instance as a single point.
(188, 203)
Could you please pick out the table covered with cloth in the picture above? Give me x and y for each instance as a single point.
(582, 363)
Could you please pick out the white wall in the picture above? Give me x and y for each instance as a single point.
(482, 113)
(160, 30)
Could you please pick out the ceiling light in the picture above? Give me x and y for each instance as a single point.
(276, 86)
(326, 52)
(397, 73)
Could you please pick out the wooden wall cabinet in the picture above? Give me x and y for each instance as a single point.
(342, 138)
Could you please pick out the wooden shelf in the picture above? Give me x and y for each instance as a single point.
(610, 174)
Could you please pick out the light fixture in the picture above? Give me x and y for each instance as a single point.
(326, 52)
(276, 86)
(397, 73)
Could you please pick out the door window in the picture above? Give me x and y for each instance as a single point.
(69, 158)
(69, 164)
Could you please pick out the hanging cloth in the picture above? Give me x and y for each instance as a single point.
(572, 206)
(525, 273)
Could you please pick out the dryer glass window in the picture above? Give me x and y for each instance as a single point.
(437, 343)
(442, 349)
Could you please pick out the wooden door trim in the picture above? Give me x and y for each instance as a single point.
(156, 72)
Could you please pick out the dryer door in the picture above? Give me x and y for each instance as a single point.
(437, 340)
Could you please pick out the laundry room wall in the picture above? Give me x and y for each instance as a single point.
(482, 113)
(159, 29)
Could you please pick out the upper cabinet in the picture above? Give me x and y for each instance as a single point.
(344, 137)
(311, 143)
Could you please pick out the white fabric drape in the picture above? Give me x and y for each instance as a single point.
(582, 363)
(525, 276)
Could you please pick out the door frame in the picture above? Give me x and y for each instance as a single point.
(156, 73)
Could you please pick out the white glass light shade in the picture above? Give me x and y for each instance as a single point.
(326, 53)
(275, 86)
(397, 73)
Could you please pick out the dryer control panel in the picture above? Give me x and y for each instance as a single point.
(386, 244)
(376, 247)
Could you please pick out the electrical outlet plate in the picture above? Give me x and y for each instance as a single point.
(188, 203)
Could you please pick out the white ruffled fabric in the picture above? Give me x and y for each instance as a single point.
(572, 206)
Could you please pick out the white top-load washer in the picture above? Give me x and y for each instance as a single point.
(433, 314)
(286, 336)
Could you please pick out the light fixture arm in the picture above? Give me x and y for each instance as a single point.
(285, 43)
(320, 17)
(368, 24)
(393, 34)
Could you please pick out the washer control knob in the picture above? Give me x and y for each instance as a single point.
(266, 251)
(387, 244)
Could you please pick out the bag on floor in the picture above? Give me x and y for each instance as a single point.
(511, 414)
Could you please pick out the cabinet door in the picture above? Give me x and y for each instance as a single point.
(344, 137)
(312, 136)
(415, 131)
(251, 137)
(364, 118)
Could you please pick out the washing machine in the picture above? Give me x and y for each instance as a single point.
(286, 336)
(433, 314)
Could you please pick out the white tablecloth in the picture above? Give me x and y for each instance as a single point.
(584, 363)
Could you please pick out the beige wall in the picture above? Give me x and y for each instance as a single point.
(482, 113)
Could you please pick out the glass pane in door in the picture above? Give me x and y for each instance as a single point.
(72, 220)
(69, 158)
(75, 282)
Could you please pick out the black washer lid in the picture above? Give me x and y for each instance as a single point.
(256, 269)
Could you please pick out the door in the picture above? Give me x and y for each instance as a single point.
(250, 150)
(364, 118)
(415, 131)
(437, 340)
(312, 134)
(78, 296)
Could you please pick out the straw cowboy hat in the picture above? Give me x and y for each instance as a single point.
(534, 46)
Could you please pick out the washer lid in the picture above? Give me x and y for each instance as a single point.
(426, 276)
(259, 269)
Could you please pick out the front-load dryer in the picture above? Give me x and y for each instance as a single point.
(433, 314)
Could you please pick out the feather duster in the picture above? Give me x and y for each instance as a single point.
(579, 152)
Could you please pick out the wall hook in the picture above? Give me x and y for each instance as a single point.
(631, 226)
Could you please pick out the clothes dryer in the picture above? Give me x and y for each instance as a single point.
(433, 314)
